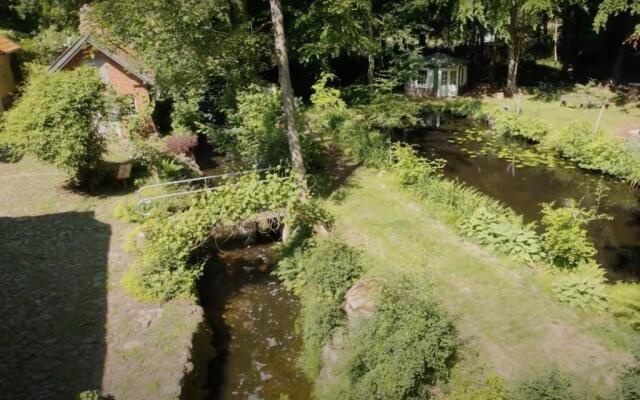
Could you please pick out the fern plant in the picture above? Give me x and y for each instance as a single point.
(583, 288)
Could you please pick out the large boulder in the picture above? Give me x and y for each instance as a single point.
(360, 300)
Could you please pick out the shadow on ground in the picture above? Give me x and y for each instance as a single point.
(53, 305)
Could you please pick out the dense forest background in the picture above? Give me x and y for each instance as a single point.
(204, 51)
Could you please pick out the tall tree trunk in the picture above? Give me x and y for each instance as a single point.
(512, 73)
(555, 39)
(371, 66)
(514, 53)
(287, 94)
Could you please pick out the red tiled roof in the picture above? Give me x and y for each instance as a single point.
(6, 45)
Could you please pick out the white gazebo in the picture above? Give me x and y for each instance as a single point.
(440, 75)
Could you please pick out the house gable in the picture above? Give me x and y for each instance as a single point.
(113, 69)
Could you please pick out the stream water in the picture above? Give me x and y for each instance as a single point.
(253, 321)
(514, 174)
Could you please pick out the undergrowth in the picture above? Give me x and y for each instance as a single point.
(320, 273)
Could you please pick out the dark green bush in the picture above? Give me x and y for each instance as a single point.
(549, 385)
(321, 273)
(257, 134)
(404, 349)
(56, 119)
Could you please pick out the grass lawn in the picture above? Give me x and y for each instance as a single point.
(615, 118)
(67, 325)
(508, 322)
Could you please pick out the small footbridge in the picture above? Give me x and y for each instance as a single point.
(188, 187)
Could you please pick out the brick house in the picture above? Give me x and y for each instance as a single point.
(116, 67)
(7, 80)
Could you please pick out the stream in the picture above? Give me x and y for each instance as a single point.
(253, 322)
(522, 177)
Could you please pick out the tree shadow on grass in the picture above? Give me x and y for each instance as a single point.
(53, 305)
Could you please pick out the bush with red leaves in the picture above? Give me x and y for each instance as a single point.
(181, 144)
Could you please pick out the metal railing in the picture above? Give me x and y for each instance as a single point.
(202, 180)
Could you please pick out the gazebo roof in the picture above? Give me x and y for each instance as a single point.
(442, 60)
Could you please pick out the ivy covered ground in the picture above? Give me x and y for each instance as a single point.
(509, 324)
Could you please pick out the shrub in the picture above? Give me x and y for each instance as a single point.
(583, 288)
(320, 273)
(624, 302)
(404, 349)
(161, 165)
(511, 124)
(89, 395)
(598, 150)
(329, 266)
(348, 128)
(493, 389)
(181, 144)
(56, 119)
(505, 235)
(549, 385)
(565, 236)
(258, 136)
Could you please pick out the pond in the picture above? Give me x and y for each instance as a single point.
(253, 322)
(523, 176)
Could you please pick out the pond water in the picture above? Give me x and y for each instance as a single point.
(253, 321)
(522, 177)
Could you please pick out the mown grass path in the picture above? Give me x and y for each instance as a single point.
(500, 309)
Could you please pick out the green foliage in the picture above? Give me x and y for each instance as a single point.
(349, 128)
(320, 273)
(329, 266)
(162, 166)
(624, 302)
(56, 119)
(630, 379)
(44, 47)
(549, 385)
(166, 267)
(326, 29)
(565, 237)
(258, 136)
(612, 8)
(89, 395)
(493, 389)
(393, 111)
(421, 177)
(598, 150)
(511, 124)
(404, 349)
(505, 235)
(210, 50)
(584, 287)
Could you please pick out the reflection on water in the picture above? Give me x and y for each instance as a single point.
(253, 321)
(523, 185)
